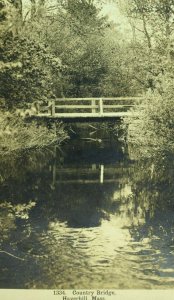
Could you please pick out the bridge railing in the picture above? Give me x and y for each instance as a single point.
(87, 106)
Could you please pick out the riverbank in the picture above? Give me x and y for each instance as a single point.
(152, 131)
(18, 135)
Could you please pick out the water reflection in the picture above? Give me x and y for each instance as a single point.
(86, 216)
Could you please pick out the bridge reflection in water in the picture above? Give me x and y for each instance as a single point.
(74, 166)
(88, 174)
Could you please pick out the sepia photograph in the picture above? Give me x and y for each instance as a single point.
(86, 147)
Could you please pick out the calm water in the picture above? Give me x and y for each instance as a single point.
(88, 215)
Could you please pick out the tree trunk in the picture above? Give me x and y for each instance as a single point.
(41, 6)
(17, 19)
(33, 9)
(146, 33)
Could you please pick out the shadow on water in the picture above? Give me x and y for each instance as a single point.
(86, 216)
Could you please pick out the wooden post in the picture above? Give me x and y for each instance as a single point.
(37, 108)
(93, 108)
(50, 107)
(101, 106)
(53, 108)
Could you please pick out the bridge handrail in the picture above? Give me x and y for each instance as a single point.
(96, 105)
(97, 98)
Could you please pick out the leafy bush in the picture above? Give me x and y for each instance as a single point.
(153, 128)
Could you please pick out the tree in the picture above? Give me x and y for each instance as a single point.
(154, 21)
(27, 65)
(74, 33)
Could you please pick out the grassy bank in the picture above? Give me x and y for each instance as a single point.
(17, 135)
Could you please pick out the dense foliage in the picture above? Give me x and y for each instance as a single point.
(91, 49)
(26, 74)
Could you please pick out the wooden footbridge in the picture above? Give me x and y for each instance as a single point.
(88, 108)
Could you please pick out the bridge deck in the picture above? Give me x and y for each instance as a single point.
(88, 115)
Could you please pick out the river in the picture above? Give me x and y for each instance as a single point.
(86, 215)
